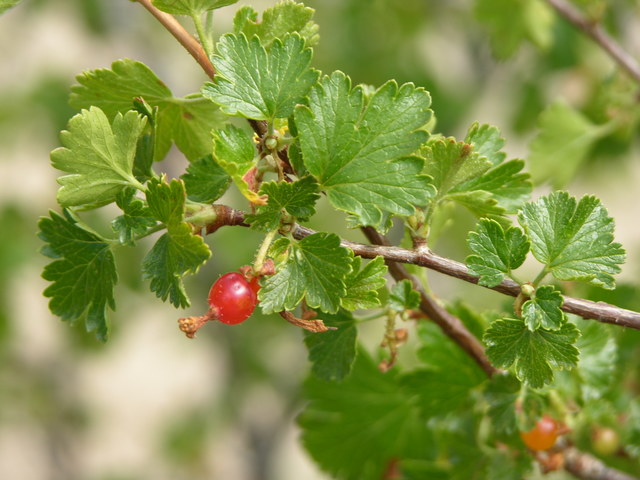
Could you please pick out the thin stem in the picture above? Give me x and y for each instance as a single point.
(150, 231)
(594, 31)
(205, 40)
(585, 466)
(543, 273)
(369, 318)
(600, 311)
(450, 324)
(185, 38)
(261, 256)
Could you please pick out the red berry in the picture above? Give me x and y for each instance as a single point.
(255, 286)
(232, 298)
(543, 436)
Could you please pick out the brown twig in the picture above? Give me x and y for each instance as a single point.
(594, 31)
(185, 38)
(450, 324)
(600, 311)
(315, 326)
(587, 467)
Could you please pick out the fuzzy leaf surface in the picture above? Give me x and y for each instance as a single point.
(136, 217)
(190, 7)
(277, 21)
(362, 285)
(598, 359)
(296, 198)
(178, 252)
(497, 252)
(474, 174)
(403, 297)
(205, 180)
(332, 353)
(97, 157)
(534, 355)
(83, 273)
(316, 269)
(437, 390)
(562, 144)
(573, 239)
(359, 154)
(511, 22)
(186, 121)
(253, 83)
(336, 424)
(501, 394)
(234, 151)
(543, 309)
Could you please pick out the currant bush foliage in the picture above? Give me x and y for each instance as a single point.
(376, 157)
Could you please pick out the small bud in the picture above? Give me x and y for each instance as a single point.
(528, 290)
(271, 143)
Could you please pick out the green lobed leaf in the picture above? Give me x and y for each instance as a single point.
(178, 252)
(359, 152)
(507, 465)
(403, 297)
(277, 21)
(166, 201)
(598, 359)
(296, 199)
(487, 142)
(316, 270)
(562, 144)
(190, 7)
(501, 394)
(573, 239)
(452, 163)
(98, 157)
(187, 121)
(136, 217)
(83, 272)
(253, 83)
(511, 22)
(205, 180)
(473, 173)
(332, 353)
(508, 188)
(543, 309)
(497, 252)
(234, 151)
(362, 285)
(354, 428)
(437, 390)
(534, 355)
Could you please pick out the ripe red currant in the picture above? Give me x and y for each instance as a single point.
(543, 436)
(232, 299)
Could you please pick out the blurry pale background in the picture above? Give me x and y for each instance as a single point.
(151, 404)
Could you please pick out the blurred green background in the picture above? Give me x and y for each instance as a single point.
(151, 404)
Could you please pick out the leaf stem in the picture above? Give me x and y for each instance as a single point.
(261, 256)
(150, 231)
(543, 273)
(205, 40)
(600, 311)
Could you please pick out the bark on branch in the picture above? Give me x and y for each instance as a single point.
(182, 35)
(594, 31)
(587, 309)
